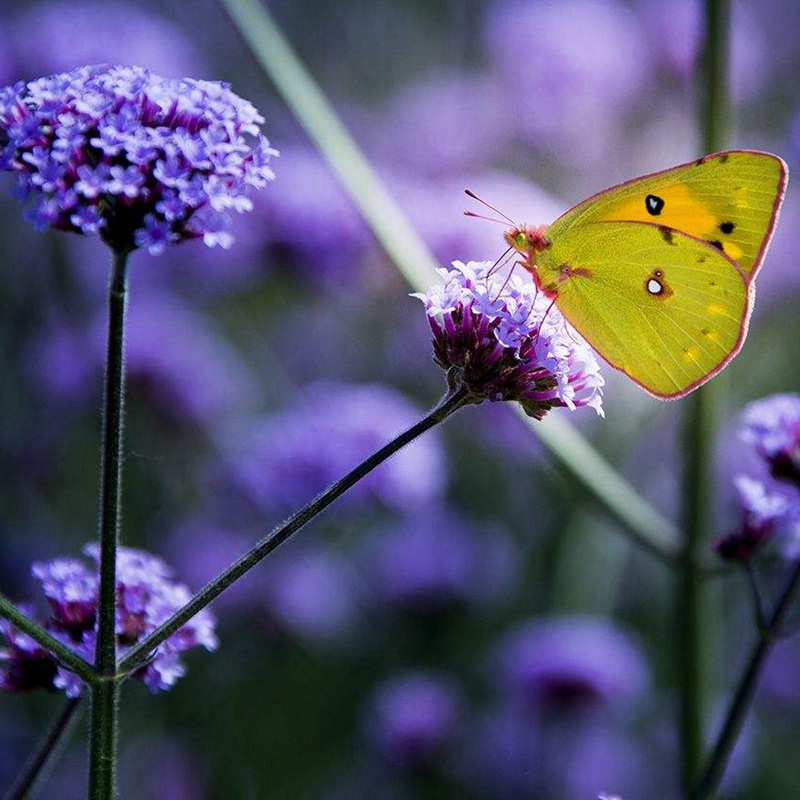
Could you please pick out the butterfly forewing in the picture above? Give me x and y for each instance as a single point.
(730, 200)
(666, 308)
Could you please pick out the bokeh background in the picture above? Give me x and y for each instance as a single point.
(465, 624)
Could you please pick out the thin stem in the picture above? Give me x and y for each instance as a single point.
(139, 654)
(43, 759)
(65, 655)
(742, 699)
(105, 692)
(639, 520)
(716, 103)
(692, 603)
(312, 109)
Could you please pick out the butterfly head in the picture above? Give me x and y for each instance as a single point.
(529, 241)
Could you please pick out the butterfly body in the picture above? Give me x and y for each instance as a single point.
(657, 273)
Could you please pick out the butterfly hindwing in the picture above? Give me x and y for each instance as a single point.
(664, 307)
(730, 200)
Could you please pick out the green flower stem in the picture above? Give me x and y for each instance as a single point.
(694, 613)
(643, 524)
(139, 654)
(105, 691)
(411, 256)
(44, 757)
(65, 655)
(740, 704)
(304, 97)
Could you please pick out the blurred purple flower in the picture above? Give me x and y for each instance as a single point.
(512, 754)
(146, 597)
(572, 662)
(584, 63)
(309, 593)
(50, 40)
(772, 426)
(286, 458)
(172, 356)
(435, 561)
(501, 338)
(311, 218)
(142, 160)
(763, 513)
(413, 717)
(447, 122)
(674, 35)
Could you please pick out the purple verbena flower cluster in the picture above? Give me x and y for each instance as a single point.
(770, 509)
(146, 597)
(503, 340)
(412, 717)
(142, 160)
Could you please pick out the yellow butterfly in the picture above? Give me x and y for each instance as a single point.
(657, 272)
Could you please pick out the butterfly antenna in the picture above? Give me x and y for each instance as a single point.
(470, 193)
(483, 216)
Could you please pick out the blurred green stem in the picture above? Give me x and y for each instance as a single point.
(694, 622)
(449, 404)
(105, 691)
(402, 243)
(742, 699)
(44, 757)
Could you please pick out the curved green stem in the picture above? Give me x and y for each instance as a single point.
(105, 691)
(65, 655)
(139, 654)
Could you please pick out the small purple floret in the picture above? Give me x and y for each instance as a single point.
(124, 146)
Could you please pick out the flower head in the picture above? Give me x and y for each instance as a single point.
(142, 160)
(503, 340)
(572, 662)
(762, 511)
(772, 426)
(435, 561)
(146, 597)
(412, 717)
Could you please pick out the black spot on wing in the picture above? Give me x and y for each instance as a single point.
(666, 234)
(727, 227)
(653, 204)
(717, 243)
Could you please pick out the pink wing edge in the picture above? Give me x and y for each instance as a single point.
(776, 207)
(743, 327)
